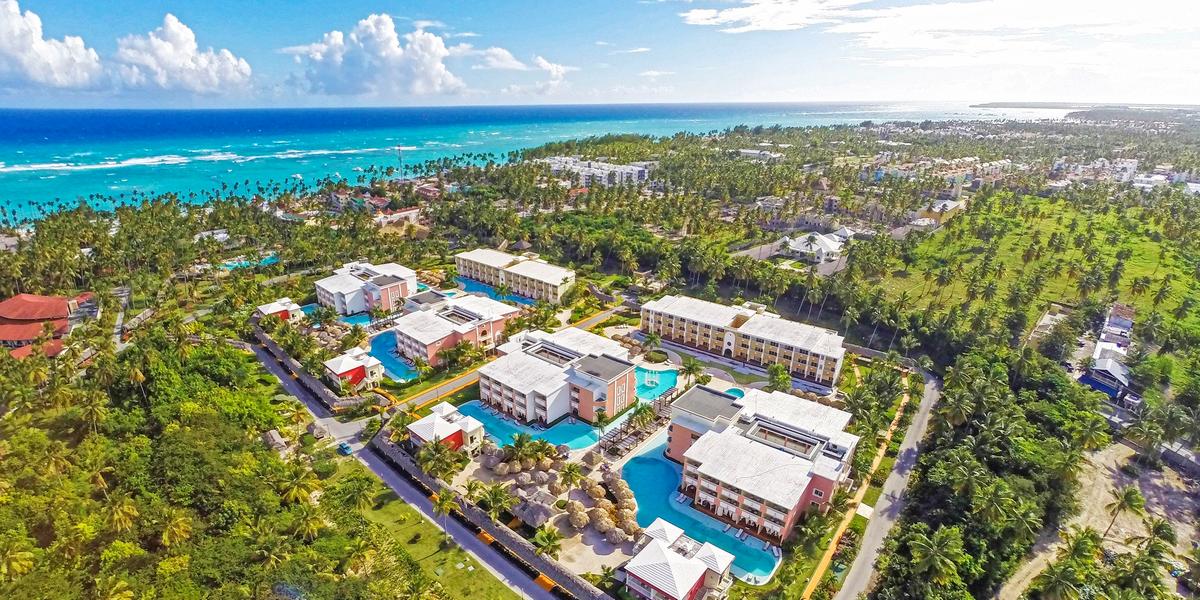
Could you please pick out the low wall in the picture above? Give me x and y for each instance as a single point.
(303, 377)
(508, 541)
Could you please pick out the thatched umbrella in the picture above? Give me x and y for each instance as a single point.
(605, 505)
(575, 505)
(614, 536)
(501, 469)
(596, 492)
(540, 477)
(523, 479)
(514, 466)
(545, 463)
(579, 520)
(527, 463)
(631, 529)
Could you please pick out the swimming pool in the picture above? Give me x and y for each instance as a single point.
(383, 347)
(309, 309)
(471, 285)
(577, 435)
(243, 263)
(653, 480)
(363, 319)
(736, 392)
(652, 383)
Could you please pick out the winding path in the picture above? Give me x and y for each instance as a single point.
(891, 501)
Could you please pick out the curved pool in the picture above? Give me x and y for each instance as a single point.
(653, 480)
(577, 435)
(736, 392)
(383, 347)
(652, 383)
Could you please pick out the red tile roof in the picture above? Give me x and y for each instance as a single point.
(27, 331)
(51, 349)
(32, 307)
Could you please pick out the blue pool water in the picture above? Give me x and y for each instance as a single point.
(309, 309)
(736, 392)
(650, 389)
(577, 435)
(471, 285)
(363, 319)
(653, 479)
(265, 261)
(383, 347)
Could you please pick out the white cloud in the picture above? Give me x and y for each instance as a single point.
(28, 58)
(631, 51)
(463, 34)
(499, 58)
(652, 74)
(603, 43)
(428, 24)
(373, 59)
(769, 15)
(556, 78)
(169, 58)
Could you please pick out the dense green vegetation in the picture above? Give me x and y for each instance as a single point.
(148, 478)
(999, 464)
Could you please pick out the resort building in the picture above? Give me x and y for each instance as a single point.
(594, 172)
(357, 367)
(441, 325)
(359, 287)
(672, 566)
(446, 425)
(814, 247)
(284, 308)
(748, 333)
(544, 377)
(25, 318)
(1108, 371)
(761, 460)
(524, 275)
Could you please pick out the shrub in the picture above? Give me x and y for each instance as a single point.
(656, 356)
(324, 468)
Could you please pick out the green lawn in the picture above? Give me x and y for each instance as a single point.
(1149, 257)
(462, 396)
(872, 495)
(423, 541)
(742, 378)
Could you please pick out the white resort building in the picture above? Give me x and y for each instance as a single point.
(672, 566)
(761, 460)
(748, 333)
(544, 377)
(524, 275)
(440, 325)
(356, 367)
(446, 425)
(358, 287)
(284, 308)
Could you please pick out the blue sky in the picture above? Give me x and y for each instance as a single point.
(220, 53)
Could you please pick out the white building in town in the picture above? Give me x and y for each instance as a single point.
(592, 172)
(814, 247)
(525, 275)
(361, 286)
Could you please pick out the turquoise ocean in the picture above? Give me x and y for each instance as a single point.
(58, 157)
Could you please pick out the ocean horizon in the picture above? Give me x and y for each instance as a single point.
(56, 157)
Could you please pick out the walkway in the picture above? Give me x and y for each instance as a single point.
(891, 501)
(498, 565)
(504, 570)
(827, 558)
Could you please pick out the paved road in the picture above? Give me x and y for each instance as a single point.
(493, 561)
(891, 501)
(508, 573)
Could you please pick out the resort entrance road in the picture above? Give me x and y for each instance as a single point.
(891, 501)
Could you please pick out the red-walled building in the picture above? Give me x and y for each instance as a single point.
(26, 317)
(446, 425)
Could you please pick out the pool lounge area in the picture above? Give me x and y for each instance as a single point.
(243, 263)
(470, 285)
(653, 479)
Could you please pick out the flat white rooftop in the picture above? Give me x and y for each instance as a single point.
(798, 413)
(423, 326)
(342, 283)
(542, 271)
(524, 373)
(802, 335)
(582, 342)
(774, 475)
(695, 309)
(488, 256)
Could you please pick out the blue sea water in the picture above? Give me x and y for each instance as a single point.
(50, 157)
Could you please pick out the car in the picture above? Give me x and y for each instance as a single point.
(344, 449)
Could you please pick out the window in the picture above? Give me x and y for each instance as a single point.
(815, 504)
(818, 493)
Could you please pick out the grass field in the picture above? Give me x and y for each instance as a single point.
(1149, 257)
(423, 541)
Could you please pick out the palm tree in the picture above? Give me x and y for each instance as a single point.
(1157, 530)
(178, 528)
(113, 588)
(138, 378)
(691, 369)
(1092, 434)
(399, 426)
(994, 503)
(121, 514)
(642, 415)
(571, 475)
(16, 557)
(473, 489)
(443, 505)
(1059, 581)
(937, 557)
(496, 499)
(298, 484)
(547, 540)
(600, 420)
(309, 523)
(1079, 544)
(1126, 499)
(653, 340)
